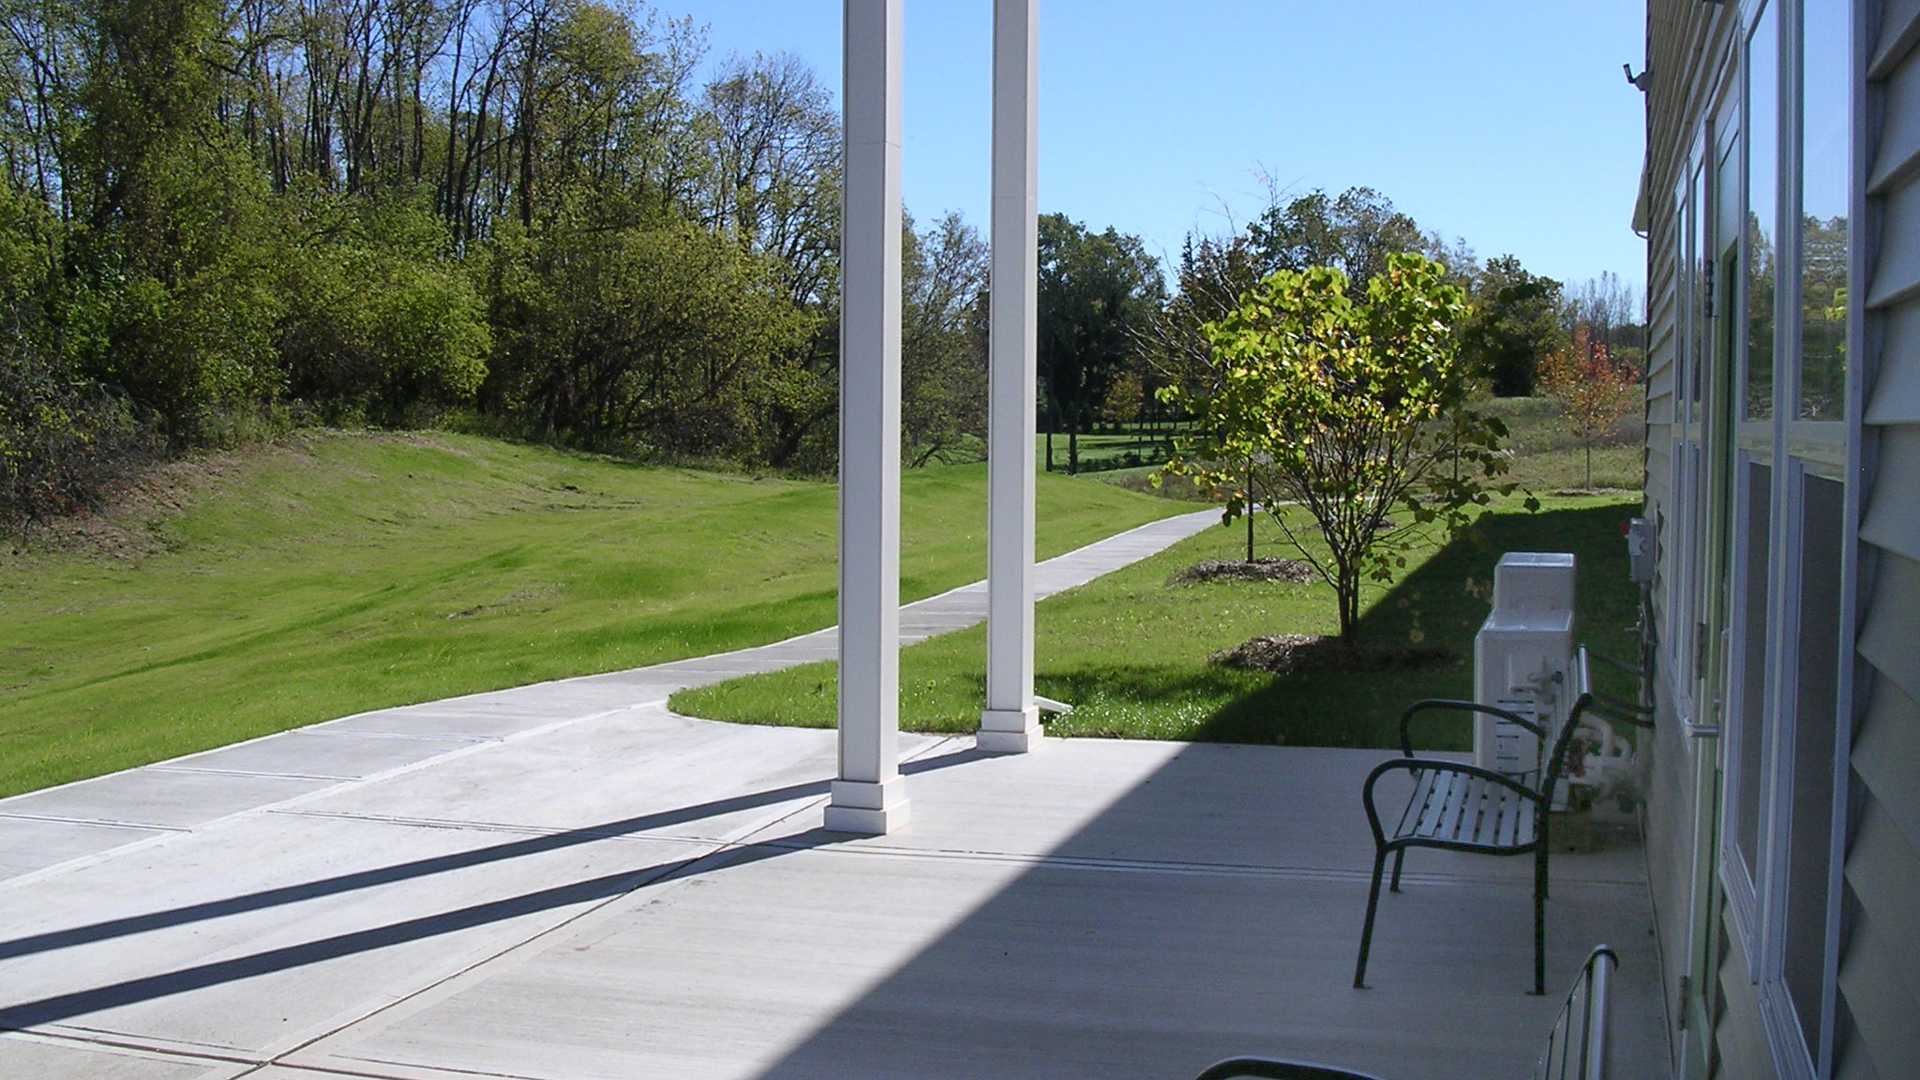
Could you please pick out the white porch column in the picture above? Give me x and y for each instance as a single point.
(869, 795)
(1011, 723)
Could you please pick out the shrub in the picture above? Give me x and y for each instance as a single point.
(379, 326)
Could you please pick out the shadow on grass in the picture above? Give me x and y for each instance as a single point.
(1441, 603)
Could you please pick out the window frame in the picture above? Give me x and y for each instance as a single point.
(1683, 487)
(1754, 443)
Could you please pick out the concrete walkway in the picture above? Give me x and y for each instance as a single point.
(46, 831)
(570, 881)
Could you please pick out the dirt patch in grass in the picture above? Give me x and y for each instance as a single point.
(127, 526)
(1265, 568)
(1288, 653)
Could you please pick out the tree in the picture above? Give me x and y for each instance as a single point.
(1126, 394)
(1515, 323)
(1354, 410)
(1353, 232)
(658, 338)
(1594, 391)
(943, 348)
(1356, 232)
(1096, 291)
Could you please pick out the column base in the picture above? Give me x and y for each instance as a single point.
(865, 808)
(1010, 731)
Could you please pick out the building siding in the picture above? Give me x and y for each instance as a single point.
(1685, 43)
(1879, 981)
(1878, 991)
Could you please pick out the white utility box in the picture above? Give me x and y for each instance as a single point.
(1520, 660)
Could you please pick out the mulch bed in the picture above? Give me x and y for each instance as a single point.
(1263, 569)
(1289, 653)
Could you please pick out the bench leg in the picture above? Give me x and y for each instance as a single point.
(1366, 930)
(1540, 923)
(1399, 859)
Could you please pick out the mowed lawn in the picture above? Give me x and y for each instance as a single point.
(338, 573)
(1130, 650)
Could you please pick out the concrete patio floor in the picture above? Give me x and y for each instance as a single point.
(570, 881)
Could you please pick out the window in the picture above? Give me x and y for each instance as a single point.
(1676, 524)
(1825, 46)
(1763, 182)
(1753, 558)
(1810, 759)
(1790, 623)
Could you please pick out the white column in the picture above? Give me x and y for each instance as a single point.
(869, 795)
(1011, 723)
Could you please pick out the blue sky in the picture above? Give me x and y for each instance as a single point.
(1506, 122)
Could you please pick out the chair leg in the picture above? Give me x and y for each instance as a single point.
(1399, 858)
(1366, 930)
(1540, 926)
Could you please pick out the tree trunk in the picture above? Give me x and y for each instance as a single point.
(1589, 466)
(1348, 588)
(1249, 511)
(1073, 443)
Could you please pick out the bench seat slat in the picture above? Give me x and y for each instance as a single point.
(1457, 808)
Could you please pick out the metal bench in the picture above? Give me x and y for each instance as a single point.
(1577, 1046)
(1460, 807)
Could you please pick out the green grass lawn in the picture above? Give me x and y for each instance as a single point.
(338, 573)
(1130, 650)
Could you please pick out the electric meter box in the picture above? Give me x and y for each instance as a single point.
(1520, 659)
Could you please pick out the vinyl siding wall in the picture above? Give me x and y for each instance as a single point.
(1877, 1023)
(1685, 43)
(1879, 988)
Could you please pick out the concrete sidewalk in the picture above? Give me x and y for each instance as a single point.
(45, 831)
(570, 881)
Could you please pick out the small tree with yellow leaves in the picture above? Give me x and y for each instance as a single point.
(1352, 410)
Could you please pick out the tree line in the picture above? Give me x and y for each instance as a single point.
(551, 218)
(1114, 336)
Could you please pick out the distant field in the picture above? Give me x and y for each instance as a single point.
(1545, 458)
(1130, 651)
(338, 573)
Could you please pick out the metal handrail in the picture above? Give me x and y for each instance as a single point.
(1593, 1057)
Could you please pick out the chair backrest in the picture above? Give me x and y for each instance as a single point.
(1577, 1047)
(1580, 685)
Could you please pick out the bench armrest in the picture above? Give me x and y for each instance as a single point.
(1417, 765)
(1449, 705)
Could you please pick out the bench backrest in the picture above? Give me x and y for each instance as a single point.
(1577, 1047)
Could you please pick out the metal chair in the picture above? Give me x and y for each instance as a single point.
(1460, 807)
